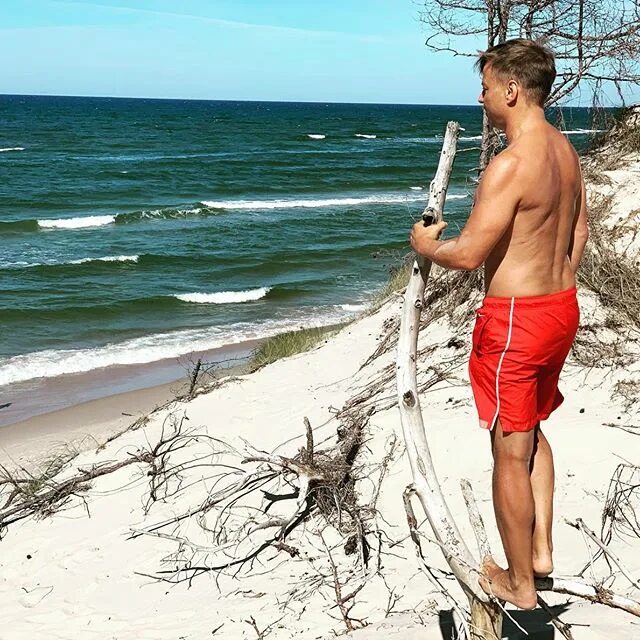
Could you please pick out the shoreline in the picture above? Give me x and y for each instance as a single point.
(77, 410)
(40, 396)
(46, 417)
(27, 399)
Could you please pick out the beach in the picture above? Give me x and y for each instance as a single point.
(75, 412)
(88, 542)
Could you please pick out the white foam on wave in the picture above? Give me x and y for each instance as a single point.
(256, 205)
(77, 223)
(52, 363)
(316, 136)
(352, 308)
(571, 132)
(416, 188)
(5, 149)
(568, 133)
(224, 297)
(133, 258)
(368, 136)
(421, 139)
(169, 213)
(53, 263)
(457, 196)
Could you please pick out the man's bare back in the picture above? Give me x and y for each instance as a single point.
(532, 257)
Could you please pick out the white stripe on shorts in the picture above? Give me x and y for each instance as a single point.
(506, 348)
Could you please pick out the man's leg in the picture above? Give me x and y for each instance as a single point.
(514, 509)
(542, 480)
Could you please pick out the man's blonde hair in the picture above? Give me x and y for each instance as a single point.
(531, 64)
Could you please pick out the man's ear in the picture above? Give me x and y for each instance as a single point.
(512, 91)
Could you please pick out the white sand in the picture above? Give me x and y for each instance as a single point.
(76, 575)
(84, 426)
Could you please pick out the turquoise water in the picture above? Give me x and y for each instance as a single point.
(136, 230)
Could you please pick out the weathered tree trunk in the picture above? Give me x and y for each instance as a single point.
(497, 26)
(594, 593)
(485, 620)
(487, 146)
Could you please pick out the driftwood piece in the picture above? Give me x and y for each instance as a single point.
(486, 618)
(581, 526)
(477, 524)
(425, 482)
(573, 587)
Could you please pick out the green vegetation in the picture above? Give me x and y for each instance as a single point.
(398, 279)
(47, 469)
(291, 343)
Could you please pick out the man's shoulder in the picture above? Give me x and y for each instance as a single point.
(503, 167)
(508, 158)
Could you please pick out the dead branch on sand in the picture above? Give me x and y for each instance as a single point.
(239, 514)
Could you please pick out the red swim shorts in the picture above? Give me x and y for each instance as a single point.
(519, 348)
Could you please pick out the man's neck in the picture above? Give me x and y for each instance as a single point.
(524, 121)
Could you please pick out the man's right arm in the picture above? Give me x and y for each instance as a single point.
(580, 232)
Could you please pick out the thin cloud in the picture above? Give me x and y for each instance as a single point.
(234, 24)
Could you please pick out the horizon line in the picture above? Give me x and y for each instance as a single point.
(274, 101)
(408, 104)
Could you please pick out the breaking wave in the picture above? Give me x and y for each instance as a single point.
(224, 297)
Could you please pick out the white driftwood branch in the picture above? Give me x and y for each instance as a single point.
(306, 477)
(486, 617)
(581, 526)
(477, 524)
(573, 587)
(425, 482)
(562, 627)
(460, 616)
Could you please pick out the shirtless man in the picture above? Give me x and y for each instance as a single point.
(528, 227)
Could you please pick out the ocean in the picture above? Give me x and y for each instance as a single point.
(136, 230)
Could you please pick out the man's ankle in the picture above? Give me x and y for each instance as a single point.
(521, 581)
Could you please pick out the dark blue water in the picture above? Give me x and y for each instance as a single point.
(135, 230)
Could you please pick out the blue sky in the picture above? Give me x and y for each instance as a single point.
(320, 50)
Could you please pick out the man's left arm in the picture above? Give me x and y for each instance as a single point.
(496, 203)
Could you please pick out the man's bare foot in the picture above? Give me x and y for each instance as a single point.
(496, 582)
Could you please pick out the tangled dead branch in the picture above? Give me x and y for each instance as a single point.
(628, 391)
(449, 295)
(248, 516)
(622, 504)
(41, 495)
